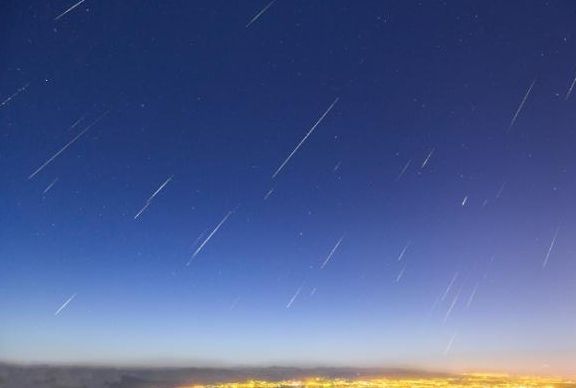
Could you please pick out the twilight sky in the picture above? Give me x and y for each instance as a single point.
(146, 215)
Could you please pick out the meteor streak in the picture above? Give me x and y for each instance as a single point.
(199, 249)
(68, 10)
(332, 252)
(64, 305)
(305, 137)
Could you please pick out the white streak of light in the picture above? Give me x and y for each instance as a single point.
(260, 13)
(66, 146)
(305, 137)
(569, 92)
(268, 194)
(403, 251)
(47, 189)
(211, 234)
(69, 9)
(472, 295)
(521, 105)
(403, 170)
(400, 274)
(449, 286)
(332, 252)
(294, 297)
(550, 248)
(449, 346)
(17, 92)
(427, 158)
(64, 305)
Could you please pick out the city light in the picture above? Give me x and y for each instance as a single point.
(469, 380)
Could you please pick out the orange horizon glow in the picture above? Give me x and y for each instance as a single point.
(474, 380)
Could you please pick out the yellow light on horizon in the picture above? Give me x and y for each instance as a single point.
(475, 380)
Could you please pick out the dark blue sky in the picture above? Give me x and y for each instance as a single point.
(184, 89)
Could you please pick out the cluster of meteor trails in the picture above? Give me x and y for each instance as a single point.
(203, 242)
(452, 295)
(150, 199)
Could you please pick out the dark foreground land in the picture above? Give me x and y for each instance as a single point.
(17, 376)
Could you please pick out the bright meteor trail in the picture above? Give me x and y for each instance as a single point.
(149, 200)
(305, 137)
(199, 249)
(332, 252)
(260, 13)
(521, 105)
(68, 10)
(64, 305)
(51, 159)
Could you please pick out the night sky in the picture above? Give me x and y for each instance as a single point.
(426, 219)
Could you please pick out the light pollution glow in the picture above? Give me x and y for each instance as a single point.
(471, 380)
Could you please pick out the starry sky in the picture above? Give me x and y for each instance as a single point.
(425, 220)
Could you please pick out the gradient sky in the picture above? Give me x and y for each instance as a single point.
(187, 90)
